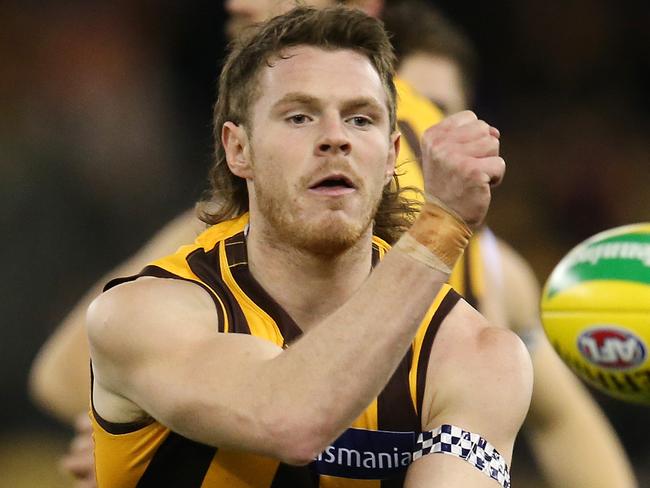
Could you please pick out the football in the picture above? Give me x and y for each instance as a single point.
(595, 309)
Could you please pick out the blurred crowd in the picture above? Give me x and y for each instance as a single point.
(105, 134)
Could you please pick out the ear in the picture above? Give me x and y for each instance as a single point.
(391, 161)
(237, 148)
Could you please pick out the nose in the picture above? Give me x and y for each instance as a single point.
(334, 139)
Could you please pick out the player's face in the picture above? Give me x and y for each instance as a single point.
(321, 148)
(436, 78)
(243, 13)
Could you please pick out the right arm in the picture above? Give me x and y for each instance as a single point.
(154, 348)
(156, 351)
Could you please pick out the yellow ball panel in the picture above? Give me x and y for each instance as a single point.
(600, 295)
(609, 350)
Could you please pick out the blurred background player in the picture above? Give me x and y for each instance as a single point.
(571, 439)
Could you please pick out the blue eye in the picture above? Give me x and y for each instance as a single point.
(360, 121)
(298, 119)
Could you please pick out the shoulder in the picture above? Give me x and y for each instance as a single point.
(479, 378)
(467, 345)
(137, 327)
(143, 307)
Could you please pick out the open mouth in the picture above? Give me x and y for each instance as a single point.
(333, 182)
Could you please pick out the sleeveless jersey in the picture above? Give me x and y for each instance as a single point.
(373, 453)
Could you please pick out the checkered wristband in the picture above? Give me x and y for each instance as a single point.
(449, 439)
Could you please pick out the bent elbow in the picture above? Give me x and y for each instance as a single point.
(301, 441)
(296, 456)
(300, 451)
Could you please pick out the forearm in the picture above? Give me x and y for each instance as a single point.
(582, 454)
(337, 369)
(573, 441)
(581, 450)
(291, 404)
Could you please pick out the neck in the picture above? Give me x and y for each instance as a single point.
(308, 286)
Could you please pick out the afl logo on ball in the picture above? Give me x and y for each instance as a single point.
(611, 348)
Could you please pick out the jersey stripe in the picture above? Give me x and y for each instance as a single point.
(238, 264)
(394, 413)
(207, 267)
(178, 463)
(416, 346)
(451, 298)
(288, 476)
(260, 323)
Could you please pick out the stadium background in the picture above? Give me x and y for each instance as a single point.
(105, 135)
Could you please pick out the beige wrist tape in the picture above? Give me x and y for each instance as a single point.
(437, 238)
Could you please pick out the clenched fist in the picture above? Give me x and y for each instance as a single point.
(461, 163)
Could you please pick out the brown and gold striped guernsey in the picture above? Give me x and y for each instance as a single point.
(373, 453)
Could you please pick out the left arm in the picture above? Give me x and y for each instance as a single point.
(570, 436)
(479, 379)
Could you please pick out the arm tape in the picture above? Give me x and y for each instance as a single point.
(449, 439)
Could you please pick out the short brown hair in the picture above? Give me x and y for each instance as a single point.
(331, 28)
